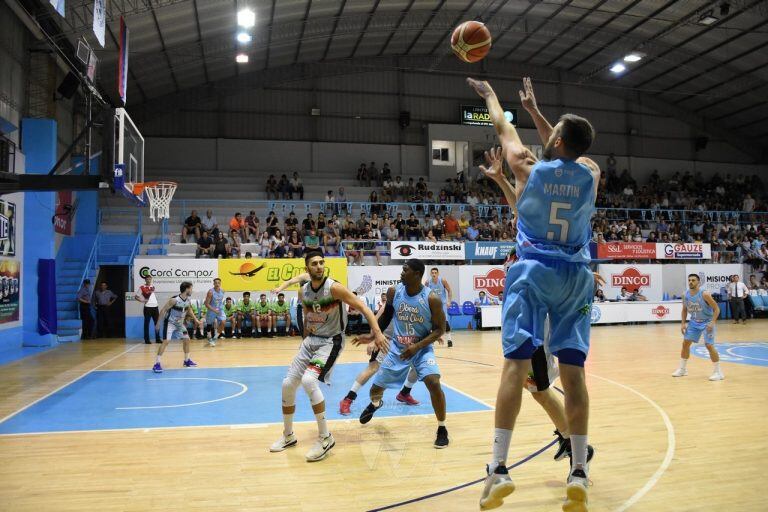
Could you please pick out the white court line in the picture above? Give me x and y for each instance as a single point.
(742, 356)
(670, 446)
(456, 390)
(243, 389)
(67, 384)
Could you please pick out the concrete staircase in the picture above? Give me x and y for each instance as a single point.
(68, 281)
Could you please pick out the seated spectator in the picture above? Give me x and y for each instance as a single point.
(295, 247)
(463, 223)
(353, 249)
(413, 229)
(482, 300)
(472, 233)
(442, 198)
(373, 199)
(362, 175)
(192, 224)
(624, 295)
(297, 187)
(251, 226)
(237, 225)
(375, 222)
(421, 187)
(271, 187)
(361, 222)
(438, 226)
(265, 245)
(234, 244)
(291, 223)
(321, 223)
(210, 224)
(637, 296)
(410, 189)
(284, 187)
(311, 240)
(248, 255)
(451, 227)
(331, 240)
(373, 174)
(354, 320)
(271, 223)
(387, 191)
(386, 173)
(430, 236)
(221, 248)
(599, 295)
(400, 224)
(330, 200)
(381, 303)
(390, 233)
(398, 188)
(278, 244)
(370, 247)
(334, 222)
(307, 224)
(341, 201)
(486, 233)
(204, 245)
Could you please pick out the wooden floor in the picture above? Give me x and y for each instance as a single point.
(663, 444)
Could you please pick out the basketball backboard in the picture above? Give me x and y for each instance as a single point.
(128, 167)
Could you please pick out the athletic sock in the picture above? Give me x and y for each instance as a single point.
(287, 424)
(717, 366)
(355, 387)
(579, 450)
(322, 424)
(157, 359)
(351, 395)
(449, 336)
(186, 356)
(501, 439)
(406, 390)
(440, 423)
(683, 363)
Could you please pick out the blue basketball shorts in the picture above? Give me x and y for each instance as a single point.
(393, 370)
(694, 330)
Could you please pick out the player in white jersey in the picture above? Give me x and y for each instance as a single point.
(704, 313)
(175, 312)
(324, 323)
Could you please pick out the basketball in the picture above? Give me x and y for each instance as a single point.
(471, 41)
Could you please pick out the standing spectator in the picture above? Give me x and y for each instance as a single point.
(330, 199)
(210, 224)
(278, 244)
(204, 245)
(295, 247)
(373, 174)
(398, 188)
(251, 226)
(271, 224)
(297, 187)
(271, 187)
(386, 173)
(413, 229)
(311, 240)
(220, 246)
(84, 303)
(103, 298)
(737, 292)
(373, 199)
(192, 224)
(451, 227)
(237, 225)
(748, 205)
(284, 187)
(146, 294)
(362, 175)
(341, 197)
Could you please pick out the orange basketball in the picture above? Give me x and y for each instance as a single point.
(471, 41)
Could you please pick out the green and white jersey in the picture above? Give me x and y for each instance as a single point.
(281, 309)
(198, 307)
(246, 308)
(324, 316)
(230, 310)
(263, 309)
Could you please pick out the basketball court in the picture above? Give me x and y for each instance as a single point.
(124, 438)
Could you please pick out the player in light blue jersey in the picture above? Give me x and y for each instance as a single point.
(419, 321)
(555, 200)
(704, 314)
(442, 288)
(215, 317)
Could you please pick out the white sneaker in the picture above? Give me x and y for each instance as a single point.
(680, 372)
(498, 485)
(211, 342)
(283, 443)
(716, 375)
(576, 492)
(321, 448)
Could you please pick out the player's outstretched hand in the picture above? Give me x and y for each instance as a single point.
(683, 328)
(440, 341)
(380, 342)
(599, 280)
(494, 160)
(527, 98)
(482, 88)
(362, 339)
(409, 352)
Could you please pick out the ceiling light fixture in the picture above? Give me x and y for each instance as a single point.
(618, 68)
(633, 57)
(241, 58)
(708, 18)
(243, 37)
(246, 18)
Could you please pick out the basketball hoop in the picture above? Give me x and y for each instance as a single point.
(160, 194)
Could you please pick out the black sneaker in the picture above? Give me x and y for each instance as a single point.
(367, 414)
(450, 343)
(441, 441)
(590, 452)
(563, 448)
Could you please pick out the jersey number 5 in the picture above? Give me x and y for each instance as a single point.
(554, 220)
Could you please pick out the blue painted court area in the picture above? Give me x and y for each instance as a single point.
(754, 353)
(199, 397)
(12, 355)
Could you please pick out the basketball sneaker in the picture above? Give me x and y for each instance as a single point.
(211, 342)
(321, 448)
(157, 368)
(576, 492)
(406, 399)
(283, 443)
(441, 441)
(716, 375)
(450, 343)
(189, 363)
(344, 406)
(367, 414)
(498, 485)
(564, 448)
(680, 372)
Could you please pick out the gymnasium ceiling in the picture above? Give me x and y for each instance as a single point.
(714, 75)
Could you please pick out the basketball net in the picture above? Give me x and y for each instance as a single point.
(159, 194)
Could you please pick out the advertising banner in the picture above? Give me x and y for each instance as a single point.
(476, 278)
(427, 250)
(169, 273)
(99, 20)
(10, 290)
(262, 275)
(487, 250)
(646, 279)
(626, 251)
(371, 282)
(713, 277)
(7, 228)
(626, 312)
(62, 221)
(683, 251)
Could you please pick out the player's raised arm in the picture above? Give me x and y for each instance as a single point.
(383, 318)
(301, 278)
(495, 172)
(347, 297)
(528, 100)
